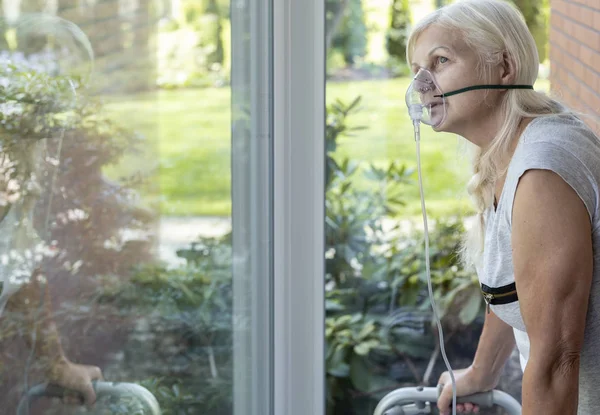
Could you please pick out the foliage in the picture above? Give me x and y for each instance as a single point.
(397, 35)
(211, 39)
(55, 142)
(537, 17)
(379, 332)
(377, 303)
(350, 37)
(52, 114)
(192, 50)
(441, 3)
(189, 316)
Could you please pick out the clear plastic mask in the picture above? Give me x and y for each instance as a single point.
(423, 100)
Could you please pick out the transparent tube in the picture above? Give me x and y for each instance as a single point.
(416, 124)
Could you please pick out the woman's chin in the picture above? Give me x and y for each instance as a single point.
(438, 128)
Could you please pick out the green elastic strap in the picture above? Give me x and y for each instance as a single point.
(471, 88)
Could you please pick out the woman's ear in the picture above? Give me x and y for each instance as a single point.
(508, 69)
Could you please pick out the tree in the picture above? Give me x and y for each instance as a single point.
(398, 33)
(334, 14)
(350, 31)
(356, 46)
(214, 32)
(537, 17)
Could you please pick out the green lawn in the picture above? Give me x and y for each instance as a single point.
(188, 133)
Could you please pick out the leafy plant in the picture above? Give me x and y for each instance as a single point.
(54, 132)
(379, 329)
(181, 346)
(347, 29)
(537, 17)
(378, 311)
(397, 36)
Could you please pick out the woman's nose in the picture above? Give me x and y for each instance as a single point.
(423, 87)
(424, 82)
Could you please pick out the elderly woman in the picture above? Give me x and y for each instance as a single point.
(536, 185)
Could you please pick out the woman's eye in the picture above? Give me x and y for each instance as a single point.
(442, 59)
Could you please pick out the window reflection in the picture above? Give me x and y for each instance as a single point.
(115, 206)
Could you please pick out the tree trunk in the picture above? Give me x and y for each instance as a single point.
(332, 29)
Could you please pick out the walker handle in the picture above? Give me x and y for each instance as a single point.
(482, 399)
(102, 389)
(410, 395)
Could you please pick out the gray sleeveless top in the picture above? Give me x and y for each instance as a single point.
(566, 146)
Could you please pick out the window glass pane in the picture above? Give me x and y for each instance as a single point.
(379, 330)
(121, 214)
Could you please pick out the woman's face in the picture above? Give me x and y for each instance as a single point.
(454, 66)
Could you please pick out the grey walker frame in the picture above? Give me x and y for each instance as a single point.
(117, 389)
(417, 401)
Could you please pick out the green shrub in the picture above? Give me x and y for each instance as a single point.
(350, 37)
(211, 35)
(379, 331)
(397, 35)
(181, 347)
(378, 310)
(43, 108)
(537, 17)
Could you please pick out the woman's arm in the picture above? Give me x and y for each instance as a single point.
(32, 304)
(496, 343)
(553, 265)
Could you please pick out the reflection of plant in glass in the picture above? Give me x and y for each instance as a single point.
(188, 334)
(57, 209)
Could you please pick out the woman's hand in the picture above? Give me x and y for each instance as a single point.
(76, 378)
(468, 382)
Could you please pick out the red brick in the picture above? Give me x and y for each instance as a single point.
(586, 97)
(580, 31)
(570, 10)
(570, 28)
(562, 76)
(596, 61)
(593, 102)
(554, 20)
(586, 55)
(591, 78)
(560, 6)
(572, 84)
(596, 24)
(596, 104)
(591, 38)
(557, 38)
(586, 16)
(579, 70)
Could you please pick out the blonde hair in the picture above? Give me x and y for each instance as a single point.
(495, 30)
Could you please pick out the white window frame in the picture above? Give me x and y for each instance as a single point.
(278, 194)
(299, 206)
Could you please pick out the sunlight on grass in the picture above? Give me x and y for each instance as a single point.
(188, 135)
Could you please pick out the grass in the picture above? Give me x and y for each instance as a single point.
(189, 135)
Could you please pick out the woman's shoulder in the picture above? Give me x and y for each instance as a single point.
(564, 130)
(565, 145)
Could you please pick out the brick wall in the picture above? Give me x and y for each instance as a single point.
(575, 55)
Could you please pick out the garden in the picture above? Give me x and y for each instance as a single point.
(129, 162)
